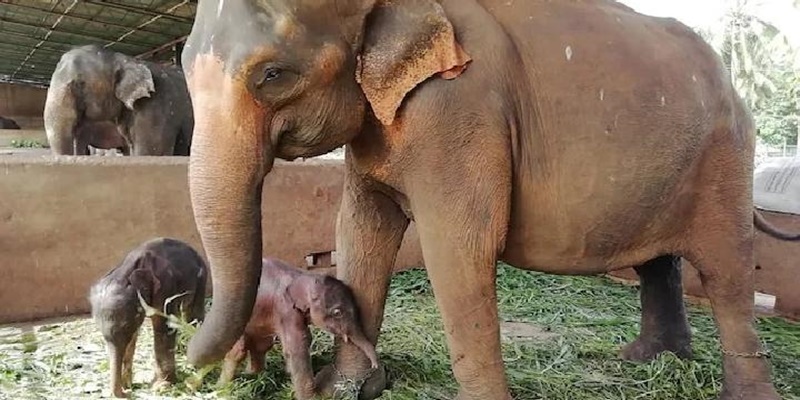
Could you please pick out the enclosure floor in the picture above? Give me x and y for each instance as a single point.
(561, 339)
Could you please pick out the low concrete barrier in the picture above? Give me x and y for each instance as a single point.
(65, 221)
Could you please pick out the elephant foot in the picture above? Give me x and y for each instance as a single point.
(466, 396)
(120, 393)
(160, 385)
(646, 349)
(749, 391)
(367, 385)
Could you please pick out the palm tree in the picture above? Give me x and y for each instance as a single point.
(761, 63)
(748, 46)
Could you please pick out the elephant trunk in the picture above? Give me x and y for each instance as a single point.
(230, 155)
(366, 347)
(115, 361)
(60, 119)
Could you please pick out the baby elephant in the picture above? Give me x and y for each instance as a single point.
(158, 269)
(288, 300)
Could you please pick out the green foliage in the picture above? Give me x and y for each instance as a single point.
(762, 66)
(20, 144)
(779, 118)
(585, 321)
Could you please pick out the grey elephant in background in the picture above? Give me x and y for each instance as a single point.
(92, 88)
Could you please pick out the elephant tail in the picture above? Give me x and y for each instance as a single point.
(767, 228)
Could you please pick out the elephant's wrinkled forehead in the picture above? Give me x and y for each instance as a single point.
(231, 30)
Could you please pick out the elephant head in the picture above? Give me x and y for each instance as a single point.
(286, 79)
(331, 306)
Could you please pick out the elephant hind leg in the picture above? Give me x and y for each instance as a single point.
(719, 244)
(664, 326)
(726, 271)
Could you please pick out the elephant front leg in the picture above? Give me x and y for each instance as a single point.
(462, 225)
(369, 231)
(664, 325)
(164, 343)
(296, 341)
(461, 264)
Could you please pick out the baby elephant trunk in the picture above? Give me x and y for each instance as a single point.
(365, 346)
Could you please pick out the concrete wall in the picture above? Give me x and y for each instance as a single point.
(65, 221)
(23, 104)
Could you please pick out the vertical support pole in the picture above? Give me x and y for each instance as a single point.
(177, 50)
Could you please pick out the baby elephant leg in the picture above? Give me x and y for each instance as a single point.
(232, 360)
(257, 352)
(127, 362)
(296, 340)
(165, 352)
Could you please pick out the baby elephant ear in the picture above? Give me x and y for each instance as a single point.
(405, 43)
(144, 278)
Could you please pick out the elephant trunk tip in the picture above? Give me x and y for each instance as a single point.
(208, 345)
(367, 348)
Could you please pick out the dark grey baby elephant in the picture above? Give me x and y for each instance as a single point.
(158, 269)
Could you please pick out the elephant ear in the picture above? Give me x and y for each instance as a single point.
(144, 277)
(134, 81)
(405, 43)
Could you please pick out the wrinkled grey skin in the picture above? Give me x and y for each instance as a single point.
(8, 123)
(288, 300)
(158, 269)
(148, 102)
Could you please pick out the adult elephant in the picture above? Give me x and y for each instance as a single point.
(559, 136)
(92, 88)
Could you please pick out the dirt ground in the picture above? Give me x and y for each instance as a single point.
(65, 359)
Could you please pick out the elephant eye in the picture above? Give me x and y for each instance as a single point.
(336, 313)
(270, 74)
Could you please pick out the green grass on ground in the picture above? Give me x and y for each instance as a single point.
(561, 341)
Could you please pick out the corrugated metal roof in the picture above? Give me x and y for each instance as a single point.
(35, 33)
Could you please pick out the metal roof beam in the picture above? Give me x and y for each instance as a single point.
(82, 18)
(17, 46)
(69, 32)
(23, 74)
(106, 3)
(148, 22)
(46, 36)
(163, 47)
(36, 39)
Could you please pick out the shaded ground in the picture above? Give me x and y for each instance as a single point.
(561, 339)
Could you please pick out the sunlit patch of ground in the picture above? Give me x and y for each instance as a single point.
(561, 338)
